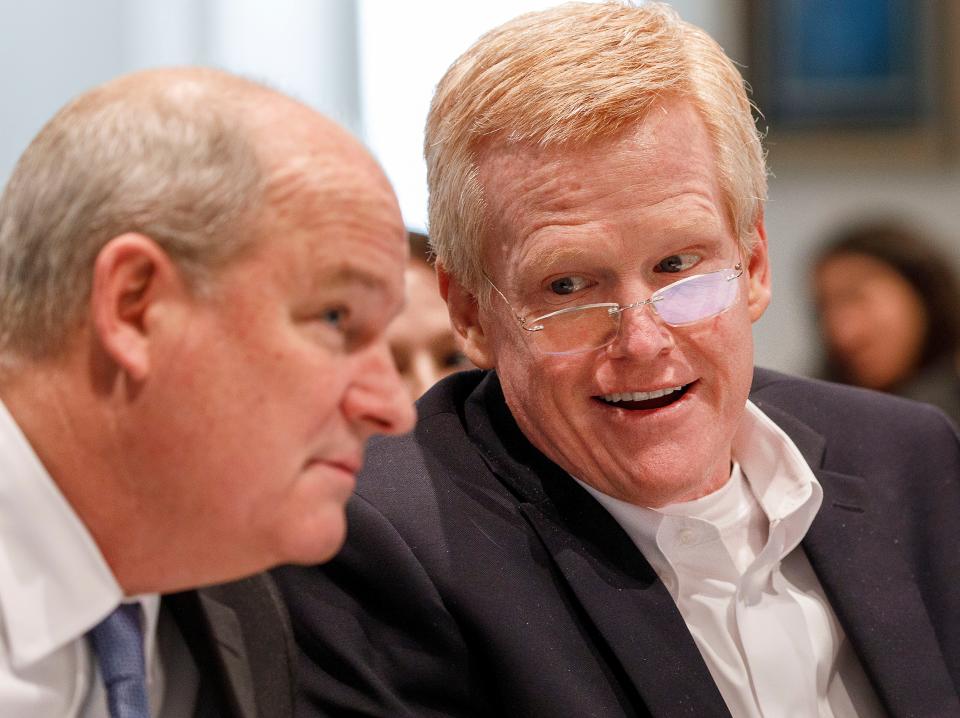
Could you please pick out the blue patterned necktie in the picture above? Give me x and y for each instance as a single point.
(117, 642)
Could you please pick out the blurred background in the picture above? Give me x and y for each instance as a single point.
(862, 95)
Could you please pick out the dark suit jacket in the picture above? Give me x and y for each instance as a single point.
(479, 579)
(240, 638)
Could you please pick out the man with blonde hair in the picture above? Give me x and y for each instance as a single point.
(197, 274)
(621, 517)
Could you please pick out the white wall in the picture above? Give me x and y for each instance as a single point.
(405, 48)
(52, 49)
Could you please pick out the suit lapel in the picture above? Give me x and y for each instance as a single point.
(212, 633)
(632, 613)
(628, 606)
(231, 652)
(871, 587)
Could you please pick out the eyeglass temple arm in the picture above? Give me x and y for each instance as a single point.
(522, 321)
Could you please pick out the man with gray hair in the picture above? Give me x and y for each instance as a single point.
(196, 274)
(621, 517)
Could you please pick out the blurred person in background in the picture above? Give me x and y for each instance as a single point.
(424, 346)
(887, 302)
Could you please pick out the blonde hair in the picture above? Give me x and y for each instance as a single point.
(569, 75)
(160, 153)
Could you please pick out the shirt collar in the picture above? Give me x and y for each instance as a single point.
(780, 478)
(783, 483)
(55, 584)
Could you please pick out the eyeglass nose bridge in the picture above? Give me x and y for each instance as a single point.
(616, 311)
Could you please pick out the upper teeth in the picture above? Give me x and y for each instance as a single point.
(641, 395)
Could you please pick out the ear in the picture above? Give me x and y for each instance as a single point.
(758, 274)
(131, 272)
(465, 317)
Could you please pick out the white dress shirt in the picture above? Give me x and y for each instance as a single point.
(54, 587)
(756, 610)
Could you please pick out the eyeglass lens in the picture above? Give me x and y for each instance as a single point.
(685, 302)
(696, 298)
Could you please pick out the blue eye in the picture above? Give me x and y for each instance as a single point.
(568, 285)
(335, 317)
(676, 263)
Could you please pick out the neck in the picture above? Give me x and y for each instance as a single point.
(72, 427)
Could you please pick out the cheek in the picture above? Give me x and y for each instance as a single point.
(722, 353)
(906, 320)
(285, 401)
(551, 401)
(903, 331)
(535, 387)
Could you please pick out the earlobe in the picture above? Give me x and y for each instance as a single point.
(758, 274)
(465, 317)
(127, 275)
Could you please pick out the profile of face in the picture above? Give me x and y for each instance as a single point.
(873, 321)
(266, 388)
(422, 341)
(650, 417)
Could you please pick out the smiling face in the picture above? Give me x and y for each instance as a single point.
(614, 222)
(263, 391)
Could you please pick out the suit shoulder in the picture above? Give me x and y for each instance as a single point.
(815, 401)
(440, 426)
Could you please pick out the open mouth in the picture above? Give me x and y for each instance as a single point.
(639, 400)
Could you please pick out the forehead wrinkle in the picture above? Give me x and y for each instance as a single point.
(320, 186)
(538, 205)
(683, 226)
(532, 180)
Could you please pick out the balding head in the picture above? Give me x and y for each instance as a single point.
(184, 156)
(196, 276)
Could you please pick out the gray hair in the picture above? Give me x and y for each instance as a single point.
(162, 154)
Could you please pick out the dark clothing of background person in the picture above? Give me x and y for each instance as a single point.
(937, 384)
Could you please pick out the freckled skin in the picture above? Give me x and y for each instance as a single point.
(619, 207)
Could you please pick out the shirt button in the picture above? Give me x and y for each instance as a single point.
(687, 536)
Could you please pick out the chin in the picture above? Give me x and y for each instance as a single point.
(316, 539)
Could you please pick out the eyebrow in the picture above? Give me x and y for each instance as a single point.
(550, 255)
(344, 274)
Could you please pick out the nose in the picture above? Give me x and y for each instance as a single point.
(378, 401)
(643, 334)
